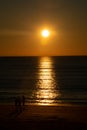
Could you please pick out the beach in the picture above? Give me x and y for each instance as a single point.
(43, 117)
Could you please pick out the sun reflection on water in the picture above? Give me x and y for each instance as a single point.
(46, 86)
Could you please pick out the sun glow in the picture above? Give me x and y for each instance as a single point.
(45, 33)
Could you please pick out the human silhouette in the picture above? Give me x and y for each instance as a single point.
(23, 100)
(18, 104)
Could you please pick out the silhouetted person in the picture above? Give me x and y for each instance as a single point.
(18, 104)
(15, 101)
(23, 100)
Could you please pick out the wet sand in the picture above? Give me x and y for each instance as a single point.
(43, 117)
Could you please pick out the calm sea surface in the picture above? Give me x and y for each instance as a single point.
(44, 80)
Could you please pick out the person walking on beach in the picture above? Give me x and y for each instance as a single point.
(23, 100)
(18, 103)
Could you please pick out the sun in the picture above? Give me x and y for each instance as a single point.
(45, 33)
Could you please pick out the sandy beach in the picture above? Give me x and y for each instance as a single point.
(43, 117)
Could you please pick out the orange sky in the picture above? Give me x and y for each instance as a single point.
(21, 23)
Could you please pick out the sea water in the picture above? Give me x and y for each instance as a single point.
(44, 80)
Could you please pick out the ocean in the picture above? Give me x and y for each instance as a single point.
(56, 80)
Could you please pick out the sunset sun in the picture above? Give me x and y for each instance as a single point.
(45, 33)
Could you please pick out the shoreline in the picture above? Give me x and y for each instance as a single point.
(54, 104)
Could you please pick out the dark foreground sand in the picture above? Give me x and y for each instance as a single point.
(43, 117)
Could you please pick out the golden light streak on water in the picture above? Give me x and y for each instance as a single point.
(46, 92)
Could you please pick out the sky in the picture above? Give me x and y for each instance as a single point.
(21, 22)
